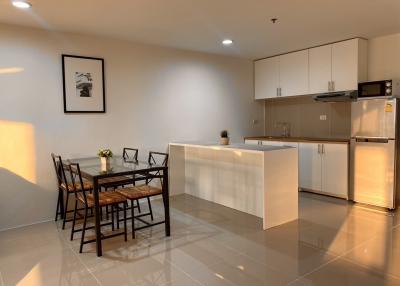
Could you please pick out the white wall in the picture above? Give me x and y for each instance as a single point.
(154, 95)
(384, 57)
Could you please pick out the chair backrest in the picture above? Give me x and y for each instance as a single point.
(60, 171)
(75, 173)
(130, 154)
(158, 158)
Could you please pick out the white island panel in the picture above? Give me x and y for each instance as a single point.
(259, 180)
(230, 178)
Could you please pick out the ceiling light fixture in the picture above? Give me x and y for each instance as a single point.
(227, 42)
(22, 4)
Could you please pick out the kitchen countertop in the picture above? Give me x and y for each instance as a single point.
(232, 146)
(300, 139)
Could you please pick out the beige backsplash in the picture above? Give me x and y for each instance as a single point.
(303, 116)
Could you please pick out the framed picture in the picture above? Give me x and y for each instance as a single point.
(83, 84)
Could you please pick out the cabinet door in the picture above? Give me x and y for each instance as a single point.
(320, 69)
(266, 78)
(310, 164)
(293, 73)
(345, 65)
(335, 169)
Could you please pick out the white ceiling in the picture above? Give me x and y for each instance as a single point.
(201, 24)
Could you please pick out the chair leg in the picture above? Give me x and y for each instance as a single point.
(107, 210)
(58, 205)
(65, 211)
(83, 230)
(112, 218)
(91, 212)
(150, 209)
(138, 206)
(117, 207)
(133, 220)
(74, 220)
(125, 231)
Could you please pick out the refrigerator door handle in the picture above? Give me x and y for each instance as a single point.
(372, 139)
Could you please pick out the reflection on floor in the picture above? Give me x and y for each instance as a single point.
(333, 243)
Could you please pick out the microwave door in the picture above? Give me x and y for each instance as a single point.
(373, 118)
(373, 171)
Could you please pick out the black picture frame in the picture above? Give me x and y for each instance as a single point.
(63, 58)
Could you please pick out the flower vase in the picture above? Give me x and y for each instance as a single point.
(105, 163)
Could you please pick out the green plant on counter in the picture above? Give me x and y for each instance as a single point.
(224, 134)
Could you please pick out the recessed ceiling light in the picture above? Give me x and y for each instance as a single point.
(22, 4)
(227, 42)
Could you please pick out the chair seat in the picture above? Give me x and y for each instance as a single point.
(115, 180)
(139, 192)
(86, 186)
(105, 198)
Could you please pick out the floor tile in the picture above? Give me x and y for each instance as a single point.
(342, 272)
(45, 266)
(332, 243)
(380, 254)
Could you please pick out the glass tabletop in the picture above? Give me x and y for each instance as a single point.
(118, 166)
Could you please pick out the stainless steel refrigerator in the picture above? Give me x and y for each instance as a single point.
(373, 152)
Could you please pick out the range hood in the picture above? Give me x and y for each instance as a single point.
(339, 96)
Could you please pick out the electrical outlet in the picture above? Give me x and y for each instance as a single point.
(322, 117)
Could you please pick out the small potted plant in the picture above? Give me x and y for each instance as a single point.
(224, 138)
(105, 155)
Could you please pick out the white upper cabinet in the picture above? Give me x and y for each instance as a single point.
(293, 73)
(349, 64)
(320, 69)
(266, 73)
(334, 67)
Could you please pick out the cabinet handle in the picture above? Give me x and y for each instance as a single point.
(323, 148)
(319, 148)
(277, 92)
(280, 91)
(330, 86)
(333, 86)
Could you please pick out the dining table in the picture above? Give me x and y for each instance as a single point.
(93, 171)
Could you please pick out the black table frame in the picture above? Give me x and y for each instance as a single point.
(96, 188)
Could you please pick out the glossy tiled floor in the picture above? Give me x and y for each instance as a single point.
(333, 243)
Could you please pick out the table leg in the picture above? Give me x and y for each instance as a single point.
(99, 250)
(166, 202)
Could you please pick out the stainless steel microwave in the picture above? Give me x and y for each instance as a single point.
(378, 89)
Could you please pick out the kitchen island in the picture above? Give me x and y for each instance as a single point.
(260, 180)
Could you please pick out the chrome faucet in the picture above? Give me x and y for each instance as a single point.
(285, 128)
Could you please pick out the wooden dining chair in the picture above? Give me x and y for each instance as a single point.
(130, 154)
(66, 187)
(142, 192)
(106, 198)
(60, 198)
(154, 158)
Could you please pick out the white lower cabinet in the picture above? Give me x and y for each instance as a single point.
(324, 168)
(310, 166)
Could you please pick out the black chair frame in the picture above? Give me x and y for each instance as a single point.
(75, 171)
